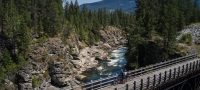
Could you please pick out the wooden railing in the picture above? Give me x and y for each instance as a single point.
(156, 79)
(160, 65)
(144, 83)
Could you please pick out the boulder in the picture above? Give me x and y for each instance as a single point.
(100, 68)
(59, 73)
(25, 86)
(25, 77)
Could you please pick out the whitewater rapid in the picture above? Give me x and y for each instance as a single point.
(117, 62)
(118, 57)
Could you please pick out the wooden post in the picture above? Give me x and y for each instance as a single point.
(174, 72)
(178, 70)
(186, 67)
(134, 85)
(127, 87)
(148, 82)
(193, 65)
(165, 76)
(197, 62)
(160, 76)
(141, 88)
(183, 69)
(154, 80)
(190, 66)
(170, 73)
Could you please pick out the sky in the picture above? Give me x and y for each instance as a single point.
(84, 1)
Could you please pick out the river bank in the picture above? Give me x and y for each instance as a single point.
(104, 68)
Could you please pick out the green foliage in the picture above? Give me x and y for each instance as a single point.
(44, 55)
(133, 65)
(88, 23)
(22, 39)
(183, 53)
(186, 38)
(153, 38)
(41, 40)
(35, 81)
(46, 75)
(7, 63)
(2, 77)
(20, 61)
(183, 38)
(190, 40)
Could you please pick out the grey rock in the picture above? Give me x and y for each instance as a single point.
(194, 30)
(25, 86)
(75, 56)
(25, 77)
(60, 73)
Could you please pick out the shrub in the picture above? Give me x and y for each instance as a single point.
(35, 81)
(186, 38)
(46, 75)
(183, 38)
(183, 53)
(189, 42)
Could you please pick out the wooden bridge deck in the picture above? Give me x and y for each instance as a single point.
(130, 81)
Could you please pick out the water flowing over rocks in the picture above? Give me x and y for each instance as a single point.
(194, 30)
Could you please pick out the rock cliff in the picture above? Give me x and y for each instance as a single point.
(53, 64)
(25, 77)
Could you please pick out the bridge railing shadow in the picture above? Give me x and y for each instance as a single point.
(146, 82)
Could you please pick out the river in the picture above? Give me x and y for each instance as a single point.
(118, 62)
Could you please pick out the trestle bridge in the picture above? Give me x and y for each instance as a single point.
(177, 74)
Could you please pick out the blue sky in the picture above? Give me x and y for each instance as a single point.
(84, 1)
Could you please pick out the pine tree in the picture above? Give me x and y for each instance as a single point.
(7, 64)
(195, 12)
(1, 16)
(23, 8)
(53, 21)
(67, 13)
(23, 39)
